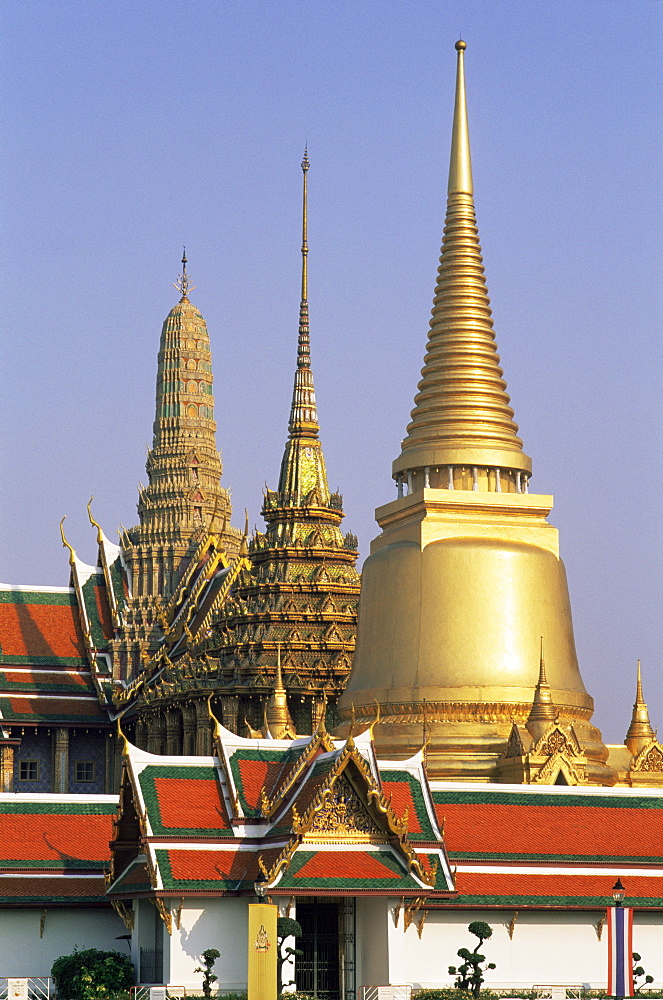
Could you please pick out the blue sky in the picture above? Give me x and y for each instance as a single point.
(133, 128)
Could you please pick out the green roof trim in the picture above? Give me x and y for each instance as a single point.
(598, 902)
(43, 661)
(520, 856)
(89, 589)
(38, 597)
(58, 808)
(62, 863)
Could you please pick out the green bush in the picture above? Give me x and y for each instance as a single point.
(92, 975)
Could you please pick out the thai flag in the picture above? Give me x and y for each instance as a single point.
(620, 951)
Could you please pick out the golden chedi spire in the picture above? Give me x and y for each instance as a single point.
(462, 431)
(466, 575)
(640, 732)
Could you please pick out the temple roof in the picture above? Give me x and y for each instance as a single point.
(555, 847)
(54, 848)
(590, 825)
(45, 670)
(309, 814)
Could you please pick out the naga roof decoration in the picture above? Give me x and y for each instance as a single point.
(307, 813)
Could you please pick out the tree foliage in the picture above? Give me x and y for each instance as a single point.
(470, 973)
(209, 957)
(92, 974)
(639, 973)
(286, 927)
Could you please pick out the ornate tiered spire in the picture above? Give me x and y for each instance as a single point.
(462, 419)
(183, 496)
(303, 465)
(640, 731)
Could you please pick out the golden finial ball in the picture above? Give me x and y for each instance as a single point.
(460, 45)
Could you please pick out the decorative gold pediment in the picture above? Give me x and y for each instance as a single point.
(343, 815)
(556, 740)
(560, 764)
(650, 758)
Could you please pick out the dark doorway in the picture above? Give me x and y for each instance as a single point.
(317, 970)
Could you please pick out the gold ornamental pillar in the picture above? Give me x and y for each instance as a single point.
(262, 951)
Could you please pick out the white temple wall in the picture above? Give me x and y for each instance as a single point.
(24, 953)
(372, 940)
(555, 947)
(209, 923)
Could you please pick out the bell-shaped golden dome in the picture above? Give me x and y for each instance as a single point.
(466, 576)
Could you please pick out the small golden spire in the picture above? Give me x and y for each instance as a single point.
(543, 711)
(640, 731)
(277, 714)
(303, 464)
(183, 283)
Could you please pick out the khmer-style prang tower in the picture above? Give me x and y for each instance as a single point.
(465, 581)
(298, 604)
(183, 499)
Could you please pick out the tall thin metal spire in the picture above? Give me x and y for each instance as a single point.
(303, 465)
(305, 166)
(303, 413)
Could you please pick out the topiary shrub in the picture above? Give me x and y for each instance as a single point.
(209, 957)
(92, 975)
(470, 973)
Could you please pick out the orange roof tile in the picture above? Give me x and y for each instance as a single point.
(197, 803)
(553, 886)
(497, 828)
(73, 840)
(361, 865)
(38, 629)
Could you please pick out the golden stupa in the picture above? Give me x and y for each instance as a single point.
(465, 580)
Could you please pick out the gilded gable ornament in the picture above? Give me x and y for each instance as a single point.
(343, 814)
(651, 758)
